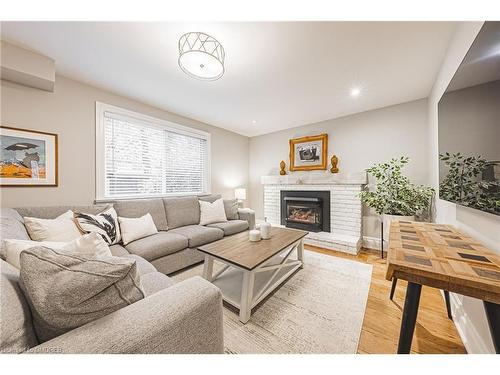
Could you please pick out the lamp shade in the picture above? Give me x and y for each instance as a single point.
(240, 194)
(201, 56)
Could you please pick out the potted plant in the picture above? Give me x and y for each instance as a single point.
(395, 197)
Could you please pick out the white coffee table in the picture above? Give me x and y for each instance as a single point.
(252, 270)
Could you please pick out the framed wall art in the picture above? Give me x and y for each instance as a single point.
(27, 158)
(309, 153)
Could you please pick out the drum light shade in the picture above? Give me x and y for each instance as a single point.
(201, 56)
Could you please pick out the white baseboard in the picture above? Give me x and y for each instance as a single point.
(372, 243)
(473, 341)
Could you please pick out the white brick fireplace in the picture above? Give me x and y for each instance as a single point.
(345, 205)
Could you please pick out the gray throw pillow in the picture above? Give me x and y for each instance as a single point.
(67, 291)
(11, 226)
(16, 329)
(231, 208)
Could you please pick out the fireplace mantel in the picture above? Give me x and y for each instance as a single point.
(312, 178)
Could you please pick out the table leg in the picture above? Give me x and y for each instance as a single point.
(300, 252)
(208, 267)
(393, 287)
(409, 318)
(382, 239)
(246, 296)
(493, 315)
(448, 305)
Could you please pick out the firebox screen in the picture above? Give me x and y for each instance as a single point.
(303, 214)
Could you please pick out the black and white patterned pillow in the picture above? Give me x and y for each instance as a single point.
(104, 223)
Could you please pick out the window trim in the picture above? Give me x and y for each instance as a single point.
(100, 179)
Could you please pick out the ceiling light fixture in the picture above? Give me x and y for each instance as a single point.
(355, 91)
(254, 121)
(201, 56)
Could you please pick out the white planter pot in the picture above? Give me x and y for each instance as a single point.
(386, 219)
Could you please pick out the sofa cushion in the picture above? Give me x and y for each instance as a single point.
(135, 208)
(157, 245)
(212, 212)
(143, 266)
(248, 215)
(89, 245)
(231, 227)
(178, 261)
(16, 328)
(199, 235)
(118, 250)
(182, 211)
(230, 205)
(154, 282)
(209, 198)
(11, 226)
(104, 223)
(51, 212)
(231, 208)
(135, 228)
(67, 291)
(60, 229)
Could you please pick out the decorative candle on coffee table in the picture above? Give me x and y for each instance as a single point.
(254, 235)
(265, 230)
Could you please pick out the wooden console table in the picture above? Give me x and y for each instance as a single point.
(439, 256)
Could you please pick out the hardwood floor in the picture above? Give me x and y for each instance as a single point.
(434, 332)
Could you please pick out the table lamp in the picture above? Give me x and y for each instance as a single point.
(240, 194)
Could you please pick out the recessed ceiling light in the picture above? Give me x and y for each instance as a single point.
(355, 91)
(254, 121)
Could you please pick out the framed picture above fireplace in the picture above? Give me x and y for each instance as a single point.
(309, 153)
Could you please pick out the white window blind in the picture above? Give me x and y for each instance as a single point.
(143, 158)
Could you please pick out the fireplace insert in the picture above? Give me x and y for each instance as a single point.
(307, 210)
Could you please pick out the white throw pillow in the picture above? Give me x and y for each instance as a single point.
(104, 223)
(60, 229)
(89, 245)
(212, 212)
(134, 228)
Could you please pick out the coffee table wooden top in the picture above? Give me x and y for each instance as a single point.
(440, 256)
(240, 251)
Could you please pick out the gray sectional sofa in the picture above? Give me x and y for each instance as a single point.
(184, 317)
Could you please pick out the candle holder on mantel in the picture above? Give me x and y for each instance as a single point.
(282, 168)
(334, 160)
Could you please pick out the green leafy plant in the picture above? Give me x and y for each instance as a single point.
(463, 183)
(394, 193)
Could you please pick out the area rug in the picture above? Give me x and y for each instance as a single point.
(319, 309)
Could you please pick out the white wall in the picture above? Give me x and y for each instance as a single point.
(70, 112)
(359, 141)
(469, 313)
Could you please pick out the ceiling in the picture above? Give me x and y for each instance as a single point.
(482, 62)
(278, 74)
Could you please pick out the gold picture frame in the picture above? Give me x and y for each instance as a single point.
(28, 158)
(309, 153)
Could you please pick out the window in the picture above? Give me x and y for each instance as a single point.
(140, 156)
